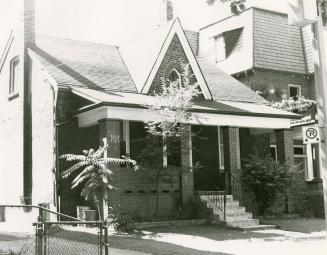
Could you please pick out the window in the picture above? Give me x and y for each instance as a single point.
(300, 158)
(174, 76)
(228, 43)
(14, 77)
(294, 91)
(273, 152)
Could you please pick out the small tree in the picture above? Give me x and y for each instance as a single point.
(169, 111)
(236, 6)
(95, 174)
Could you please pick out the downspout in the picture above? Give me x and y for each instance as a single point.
(55, 149)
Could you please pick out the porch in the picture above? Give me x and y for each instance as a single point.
(213, 154)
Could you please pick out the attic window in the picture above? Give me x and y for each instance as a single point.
(175, 76)
(14, 77)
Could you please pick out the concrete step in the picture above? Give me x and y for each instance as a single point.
(235, 210)
(238, 216)
(242, 223)
(258, 227)
(217, 197)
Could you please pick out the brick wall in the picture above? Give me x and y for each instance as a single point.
(230, 153)
(174, 58)
(265, 80)
(136, 190)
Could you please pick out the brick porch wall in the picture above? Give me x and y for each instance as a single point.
(136, 191)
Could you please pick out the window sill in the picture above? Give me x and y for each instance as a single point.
(13, 96)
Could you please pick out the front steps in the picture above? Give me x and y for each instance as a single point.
(236, 215)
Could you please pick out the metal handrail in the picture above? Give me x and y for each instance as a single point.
(238, 188)
(44, 209)
(217, 197)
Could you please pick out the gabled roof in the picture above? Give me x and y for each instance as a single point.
(143, 56)
(83, 64)
(225, 87)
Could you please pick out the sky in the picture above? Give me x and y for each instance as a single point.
(115, 21)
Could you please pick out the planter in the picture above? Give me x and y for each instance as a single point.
(81, 212)
(90, 215)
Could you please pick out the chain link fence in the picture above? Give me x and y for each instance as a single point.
(19, 236)
(62, 238)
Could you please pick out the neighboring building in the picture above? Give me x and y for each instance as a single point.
(260, 49)
(62, 96)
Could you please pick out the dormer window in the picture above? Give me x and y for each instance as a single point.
(175, 76)
(228, 43)
(14, 78)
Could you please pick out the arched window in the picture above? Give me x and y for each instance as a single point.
(174, 76)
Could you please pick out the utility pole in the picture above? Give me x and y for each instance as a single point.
(321, 95)
(301, 13)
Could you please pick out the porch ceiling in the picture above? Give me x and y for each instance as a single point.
(130, 106)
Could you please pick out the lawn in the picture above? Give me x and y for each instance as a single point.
(304, 225)
(172, 240)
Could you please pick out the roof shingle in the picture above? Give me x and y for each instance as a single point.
(224, 87)
(83, 64)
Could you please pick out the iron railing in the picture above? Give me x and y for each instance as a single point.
(215, 196)
(239, 190)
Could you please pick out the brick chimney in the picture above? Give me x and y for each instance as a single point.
(29, 22)
(166, 11)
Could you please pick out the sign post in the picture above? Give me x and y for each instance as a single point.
(321, 93)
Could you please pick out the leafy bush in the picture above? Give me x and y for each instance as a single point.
(194, 209)
(120, 219)
(266, 178)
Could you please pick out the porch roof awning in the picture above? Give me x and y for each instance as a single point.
(121, 100)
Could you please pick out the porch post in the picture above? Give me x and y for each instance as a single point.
(110, 132)
(230, 155)
(284, 141)
(186, 158)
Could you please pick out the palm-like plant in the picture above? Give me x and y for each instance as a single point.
(95, 174)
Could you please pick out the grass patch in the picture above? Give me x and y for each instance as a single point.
(303, 225)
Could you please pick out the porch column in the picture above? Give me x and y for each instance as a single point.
(284, 142)
(110, 132)
(231, 155)
(186, 158)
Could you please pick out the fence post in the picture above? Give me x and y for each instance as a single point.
(106, 240)
(40, 232)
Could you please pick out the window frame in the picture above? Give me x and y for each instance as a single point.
(13, 78)
(299, 88)
(274, 146)
(220, 39)
(221, 150)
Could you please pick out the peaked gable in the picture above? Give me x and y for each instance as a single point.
(174, 60)
(144, 56)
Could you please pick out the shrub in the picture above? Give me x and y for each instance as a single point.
(194, 209)
(120, 219)
(266, 178)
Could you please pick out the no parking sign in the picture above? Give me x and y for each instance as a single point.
(311, 134)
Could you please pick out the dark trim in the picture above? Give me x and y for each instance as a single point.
(93, 106)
